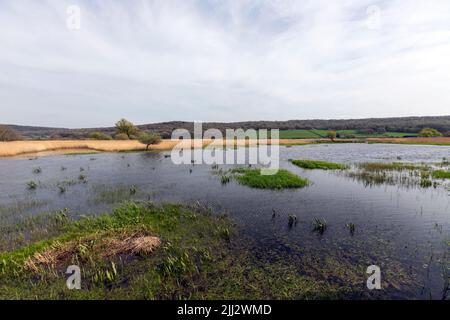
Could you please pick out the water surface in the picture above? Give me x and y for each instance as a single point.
(397, 228)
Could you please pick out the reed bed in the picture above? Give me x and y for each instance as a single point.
(15, 148)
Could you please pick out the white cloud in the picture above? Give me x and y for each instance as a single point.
(222, 60)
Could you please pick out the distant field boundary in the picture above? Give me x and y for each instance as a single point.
(17, 148)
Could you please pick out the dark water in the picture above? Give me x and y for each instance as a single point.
(401, 230)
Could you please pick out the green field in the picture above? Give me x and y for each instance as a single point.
(317, 134)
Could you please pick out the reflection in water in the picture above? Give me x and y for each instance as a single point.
(400, 229)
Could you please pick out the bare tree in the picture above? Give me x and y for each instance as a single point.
(8, 134)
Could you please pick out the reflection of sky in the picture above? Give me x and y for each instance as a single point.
(391, 222)
(222, 60)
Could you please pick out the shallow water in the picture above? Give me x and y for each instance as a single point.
(396, 228)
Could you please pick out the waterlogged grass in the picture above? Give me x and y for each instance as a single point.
(106, 194)
(318, 164)
(398, 173)
(144, 251)
(20, 206)
(32, 229)
(441, 174)
(392, 166)
(278, 180)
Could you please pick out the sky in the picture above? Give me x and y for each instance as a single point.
(88, 63)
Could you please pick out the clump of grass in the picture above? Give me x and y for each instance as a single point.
(393, 166)
(445, 162)
(372, 178)
(426, 183)
(320, 225)
(62, 189)
(441, 174)
(318, 164)
(32, 185)
(106, 194)
(292, 220)
(281, 179)
(224, 179)
(37, 170)
(351, 227)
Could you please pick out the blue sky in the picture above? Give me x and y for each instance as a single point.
(211, 60)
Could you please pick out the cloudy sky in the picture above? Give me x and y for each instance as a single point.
(218, 60)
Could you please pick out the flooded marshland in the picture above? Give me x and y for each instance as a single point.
(399, 225)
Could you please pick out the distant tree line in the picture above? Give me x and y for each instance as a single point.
(368, 126)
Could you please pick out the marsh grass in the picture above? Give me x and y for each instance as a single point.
(351, 227)
(392, 166)
(292, 220)
(31, 229)
(425, 183)
(224, 179)
(199, 256)
(20, 206)
(32, 185)
(318, 164)
(441, 174)
(406, 175)
(282, 179)
(114, 194)
(319, 225)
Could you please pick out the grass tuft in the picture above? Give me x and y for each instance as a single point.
(318, 164)
(281, 179)
(320, 225)
(392, 166)
(441, 174)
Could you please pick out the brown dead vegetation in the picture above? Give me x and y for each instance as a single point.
(138, 243)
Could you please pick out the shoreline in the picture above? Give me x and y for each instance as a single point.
(58, 147)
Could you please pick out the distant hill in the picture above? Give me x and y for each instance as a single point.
(400, 124)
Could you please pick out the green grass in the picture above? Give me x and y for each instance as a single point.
(81, 153)
(282, 179)
(441, 174)
(200, 257)
(317, 164)
(391, 166)
(372, 178)
(317, 134)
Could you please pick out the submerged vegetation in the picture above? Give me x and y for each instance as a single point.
(32, 185)
(281, 179)
(105, 194)
(391, 166)
(318, 164)
(145, 251)
(319, 225)
(399, 173)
